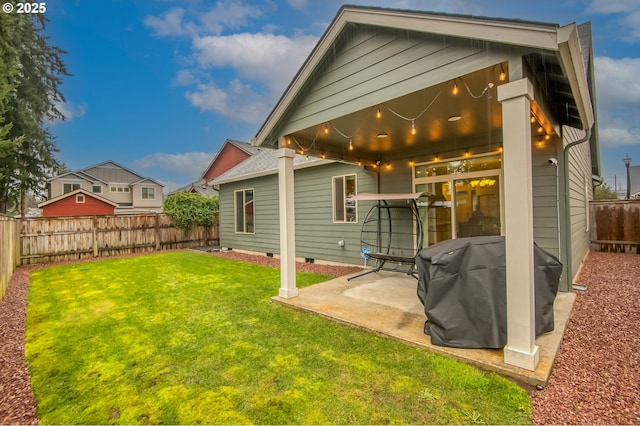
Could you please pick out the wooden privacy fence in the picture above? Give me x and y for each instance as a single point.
(615, 226)
(66, 238)
(9, 250)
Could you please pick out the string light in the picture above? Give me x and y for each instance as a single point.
(533, 119)
(378, 113)
(350, 145)
(540, 129)
(413, 126)
(411, 163)
(326, 129)
(502, 76)
(455, 89)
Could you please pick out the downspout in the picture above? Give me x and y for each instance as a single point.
(567, 203)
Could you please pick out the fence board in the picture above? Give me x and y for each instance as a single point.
(68, 238)
(615, 226)
(9, 251)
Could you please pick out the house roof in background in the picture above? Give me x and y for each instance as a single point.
(264, 163)
(72, 193)
(84, 174)
(199, 187)
(243, 146)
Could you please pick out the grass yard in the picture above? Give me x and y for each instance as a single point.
(185, 337)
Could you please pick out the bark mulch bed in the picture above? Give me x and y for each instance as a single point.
(595, 380)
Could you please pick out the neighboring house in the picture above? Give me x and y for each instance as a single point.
(79, 202)
(489, 114)
(228, 156)
(130, 191)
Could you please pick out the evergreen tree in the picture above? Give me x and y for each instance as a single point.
(31, 73)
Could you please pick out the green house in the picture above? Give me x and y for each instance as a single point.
(483, 114)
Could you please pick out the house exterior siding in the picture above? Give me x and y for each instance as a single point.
(376, 65)
(545, 197)
(69, 206)
(580, 193)
(316, 235)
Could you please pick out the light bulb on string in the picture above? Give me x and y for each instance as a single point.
(503, 75)
(378, 113)
(326, 129)
(413, 127)
(350, 145)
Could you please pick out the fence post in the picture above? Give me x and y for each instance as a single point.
(95, 236)
(157, 232)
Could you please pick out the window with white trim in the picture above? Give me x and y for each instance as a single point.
(244, 211)
(344, 210)
(116, 188)
(70, 187)
(79, 199)
(148, 193)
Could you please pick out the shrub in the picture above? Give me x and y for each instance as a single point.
(189, 209)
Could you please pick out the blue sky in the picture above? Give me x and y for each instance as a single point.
(158, 86)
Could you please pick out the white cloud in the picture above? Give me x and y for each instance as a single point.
(190, 163)
(629, 16)
(238, 102)
(70, 111)
(170, 24)
(297, 4)
(227, 14)
(265, 58)
(618, 96)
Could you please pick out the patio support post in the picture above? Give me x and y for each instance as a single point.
(521, 350)
(288, 287)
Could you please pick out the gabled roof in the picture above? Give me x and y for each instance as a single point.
(146, 180)
(562, 42)
(243, 146)
(72, 193)
(199, 187)
(77, 174)
(84, 174)
(264, 163)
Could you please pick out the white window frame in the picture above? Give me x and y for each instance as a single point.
(148, 188)
(80, 198)
(244, 213)
(452, 177)
(345, 205)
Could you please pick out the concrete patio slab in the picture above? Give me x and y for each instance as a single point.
(386, 303)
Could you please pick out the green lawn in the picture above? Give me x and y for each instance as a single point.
(185, 337)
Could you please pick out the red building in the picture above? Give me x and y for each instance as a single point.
(77, 203)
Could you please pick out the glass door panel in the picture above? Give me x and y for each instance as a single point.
(435, 212)
(477, 203)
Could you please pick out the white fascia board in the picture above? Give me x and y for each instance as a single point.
(571, 60)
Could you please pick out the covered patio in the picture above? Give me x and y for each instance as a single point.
(386, 303)
(445, 104)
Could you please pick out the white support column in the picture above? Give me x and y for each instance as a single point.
(288, 287)
(521, 349)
